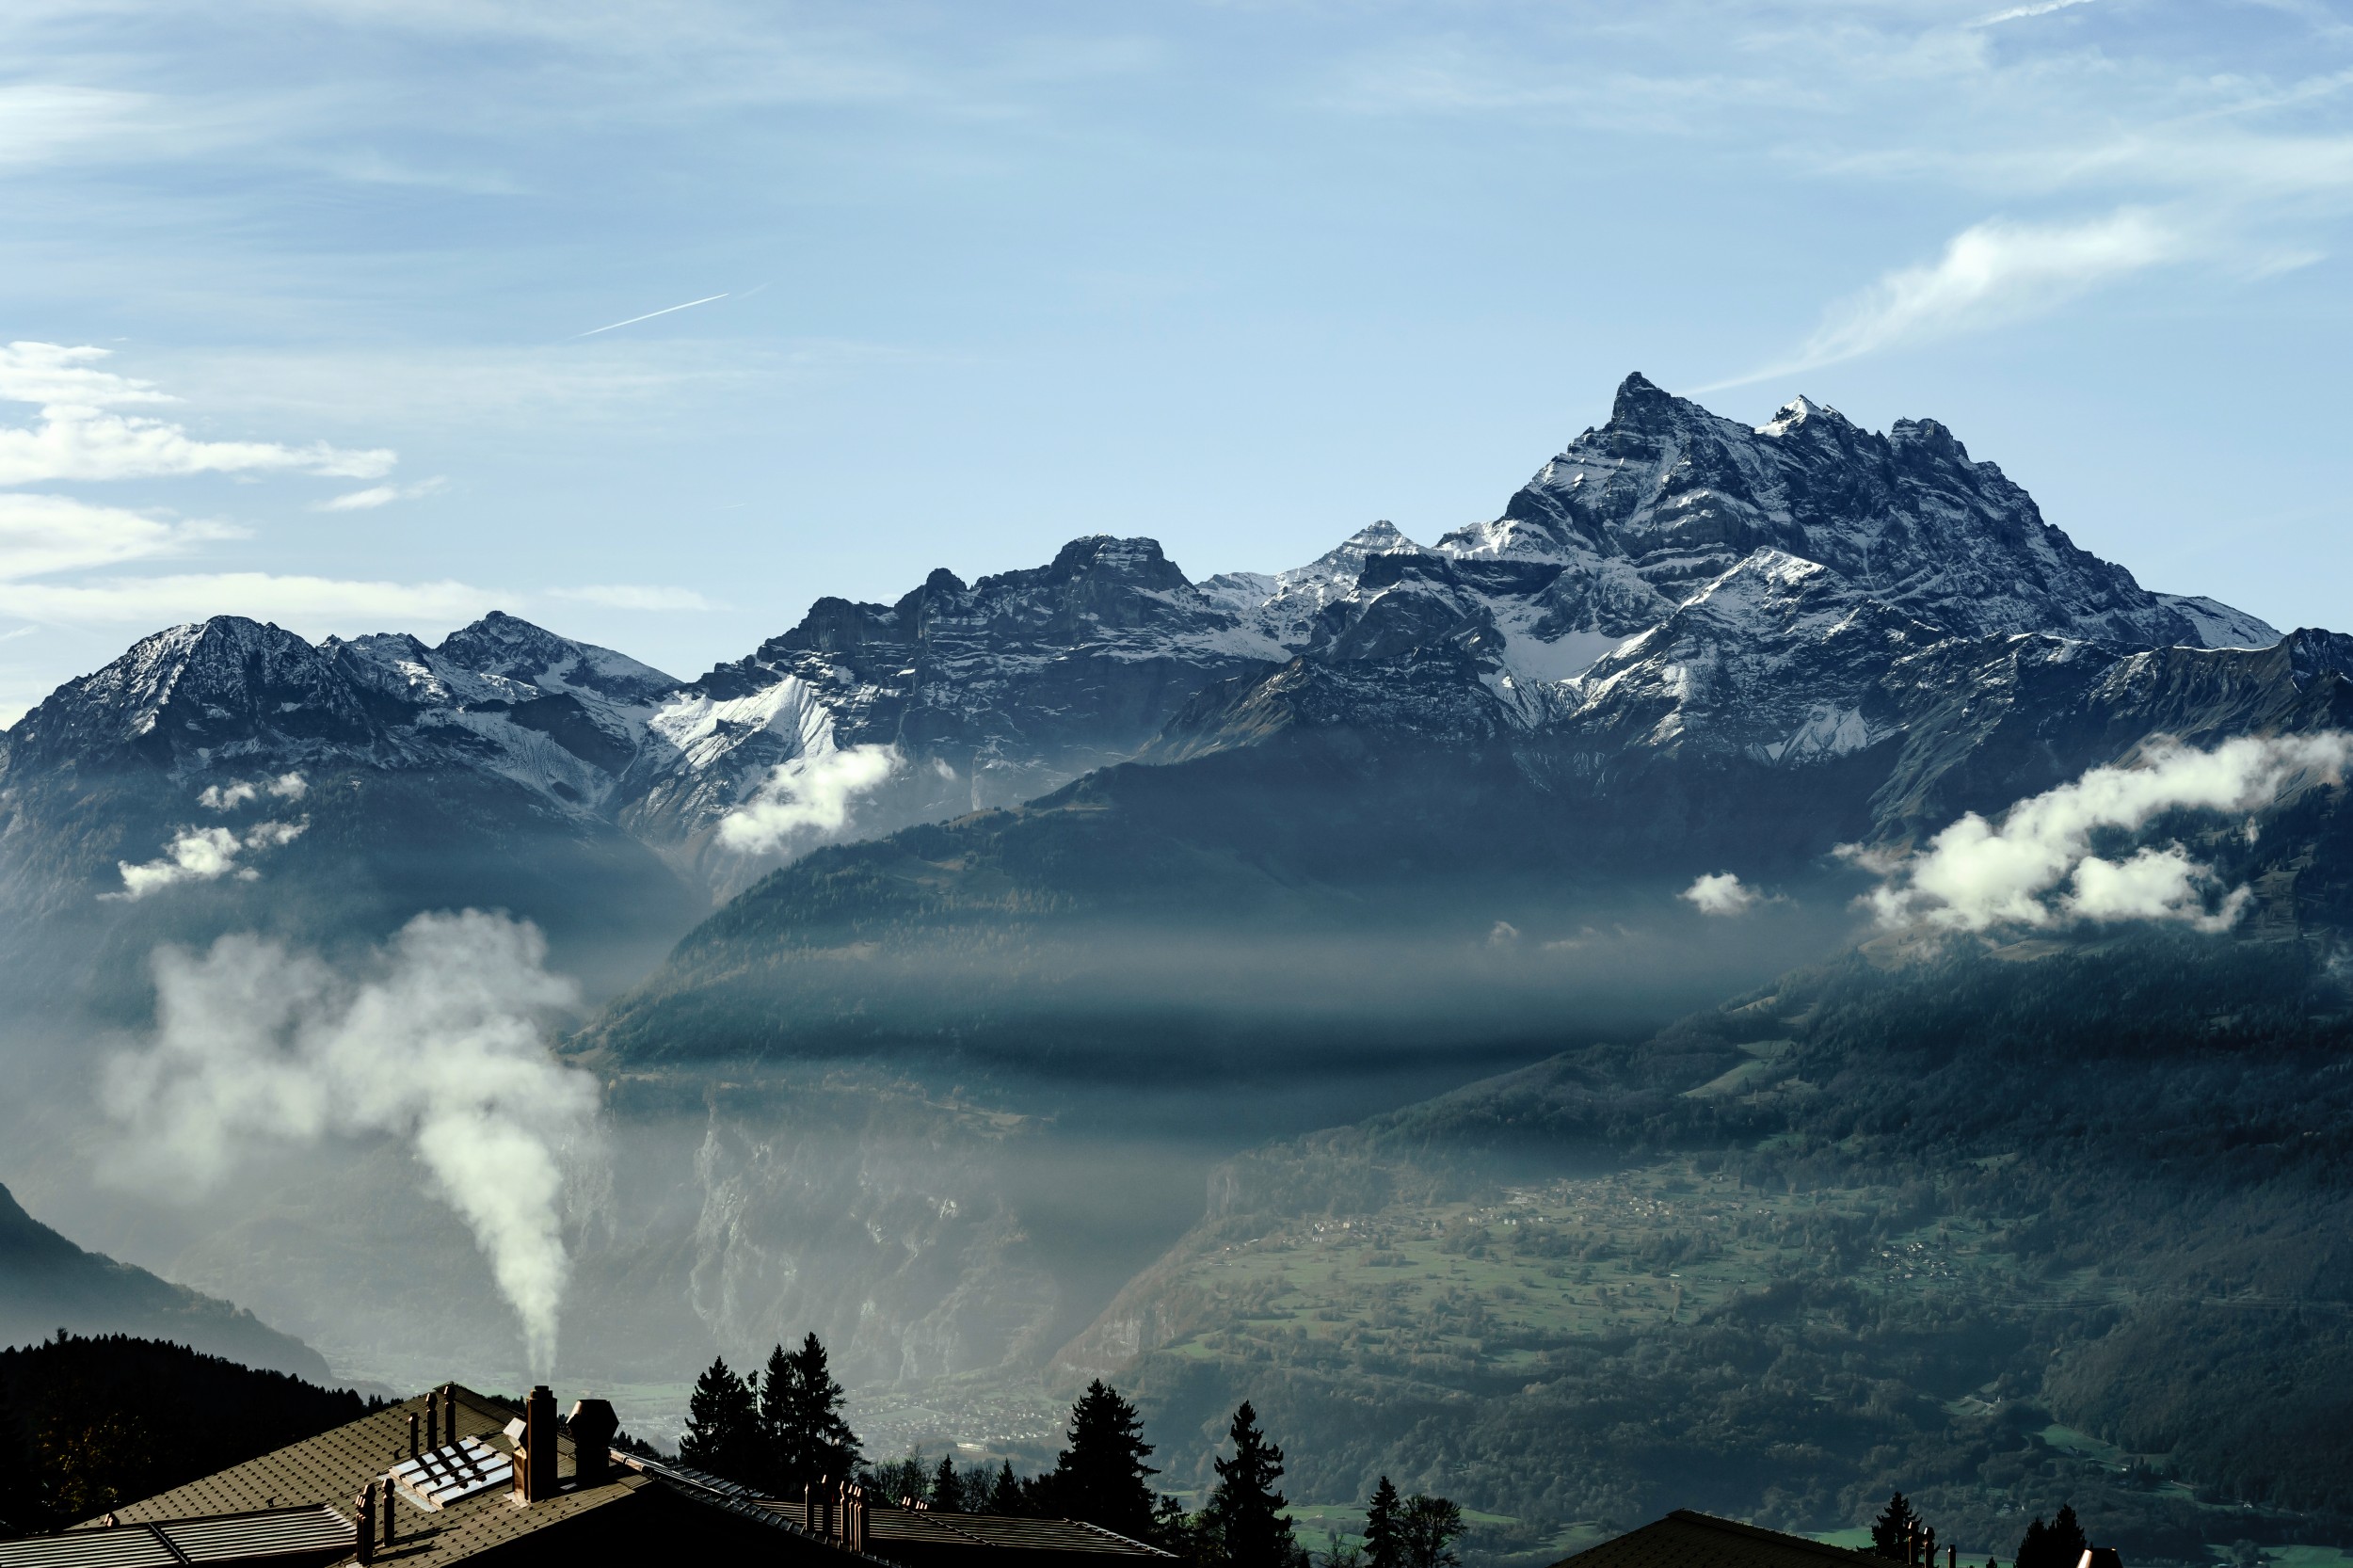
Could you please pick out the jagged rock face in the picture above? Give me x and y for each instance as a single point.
(1676, 496)
(1675, 590)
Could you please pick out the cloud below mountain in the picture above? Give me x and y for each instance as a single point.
(811, 793)
(2037, 868)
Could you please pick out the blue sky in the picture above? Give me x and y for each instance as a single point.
(305, 294)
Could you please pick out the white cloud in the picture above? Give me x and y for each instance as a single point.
(40, 534)
(633, 596)
(57, 372)
(219, 797)
(2037, 868)
(443, 1046)
(69, 442)
(312, 605)
(1989, 273)
(382, 495)
(78, 436)
(811, 793)
(1720, 893)
(204, 854)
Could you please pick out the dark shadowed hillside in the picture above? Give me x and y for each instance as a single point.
(47, 1283)
(1997, 1227)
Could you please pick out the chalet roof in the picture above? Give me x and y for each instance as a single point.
(890, 1526)
(1686, 1540)
(294, 1506)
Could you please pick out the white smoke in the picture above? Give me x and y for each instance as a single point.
(443, 1046)
(204, 854)
(2037, 868)
(1720, 893)
(811, 793)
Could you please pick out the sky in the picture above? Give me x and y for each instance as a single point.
(654, 323)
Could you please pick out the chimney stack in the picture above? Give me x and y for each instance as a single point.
(388, 1510)
(433, 1419)
(534, 1459)
(364, 1512)
(412, 1434)
(594, 1427)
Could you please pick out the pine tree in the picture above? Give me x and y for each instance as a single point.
(1384, 1546)
(1245, 1512)
(1429, 1529)
(1892, 1532)
(1100, 1477)
(810, 1440)
(2066, 1542)
(947, 1493)
(1004, 1493)
(2034, 1549)
(774, 1417)
(722, 1426)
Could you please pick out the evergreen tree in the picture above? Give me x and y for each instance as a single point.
(774, 1417)
(1100, 1477)
(810, 1439)
(1429, 1529)
(947, 1491)
(1004, 1493)
(2066, 1542)
(1245, 1512)
(1384, 1546)
(1892, 1532)
(722, 1426)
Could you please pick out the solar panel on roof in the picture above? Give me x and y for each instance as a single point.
(230, 1538)
(126, 1546)
(454, 1470)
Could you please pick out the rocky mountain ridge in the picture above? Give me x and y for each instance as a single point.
(1672, 584)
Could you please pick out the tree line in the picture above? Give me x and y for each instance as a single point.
(2059, 1543)
(782, 1429)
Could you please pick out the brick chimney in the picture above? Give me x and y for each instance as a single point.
(534, 1457)
(364, 1512)
(594, 1427)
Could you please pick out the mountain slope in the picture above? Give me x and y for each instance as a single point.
(47, 1283)
(1955, 1223)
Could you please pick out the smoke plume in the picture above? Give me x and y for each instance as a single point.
(811, 792)
(442, 1046)
(2038, 869)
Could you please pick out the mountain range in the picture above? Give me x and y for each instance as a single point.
(939, 952)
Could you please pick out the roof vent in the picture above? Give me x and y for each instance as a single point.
(594, 1427)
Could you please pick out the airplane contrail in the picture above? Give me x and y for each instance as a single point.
(647, 316)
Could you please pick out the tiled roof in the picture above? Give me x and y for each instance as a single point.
(290, 1535)
(328, 1470)
(885, 1527)
(1686, 1540)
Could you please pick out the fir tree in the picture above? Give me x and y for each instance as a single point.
(1428, 1531)
(1384, 1546)
(774, 1416)
(1245, 1512)
(810, 1440)
(1100, 1477)
(722, 1426)
(1004, 1493)
(947, 1491)
(1892, 1532)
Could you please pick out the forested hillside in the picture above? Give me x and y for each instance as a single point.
(1997, 1227)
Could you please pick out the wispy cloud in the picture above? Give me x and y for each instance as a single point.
(1989, 273)
(382, 495)
(313, 606)
(45, 534)
(634, 596)
(77, 435)
(2019, 13)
